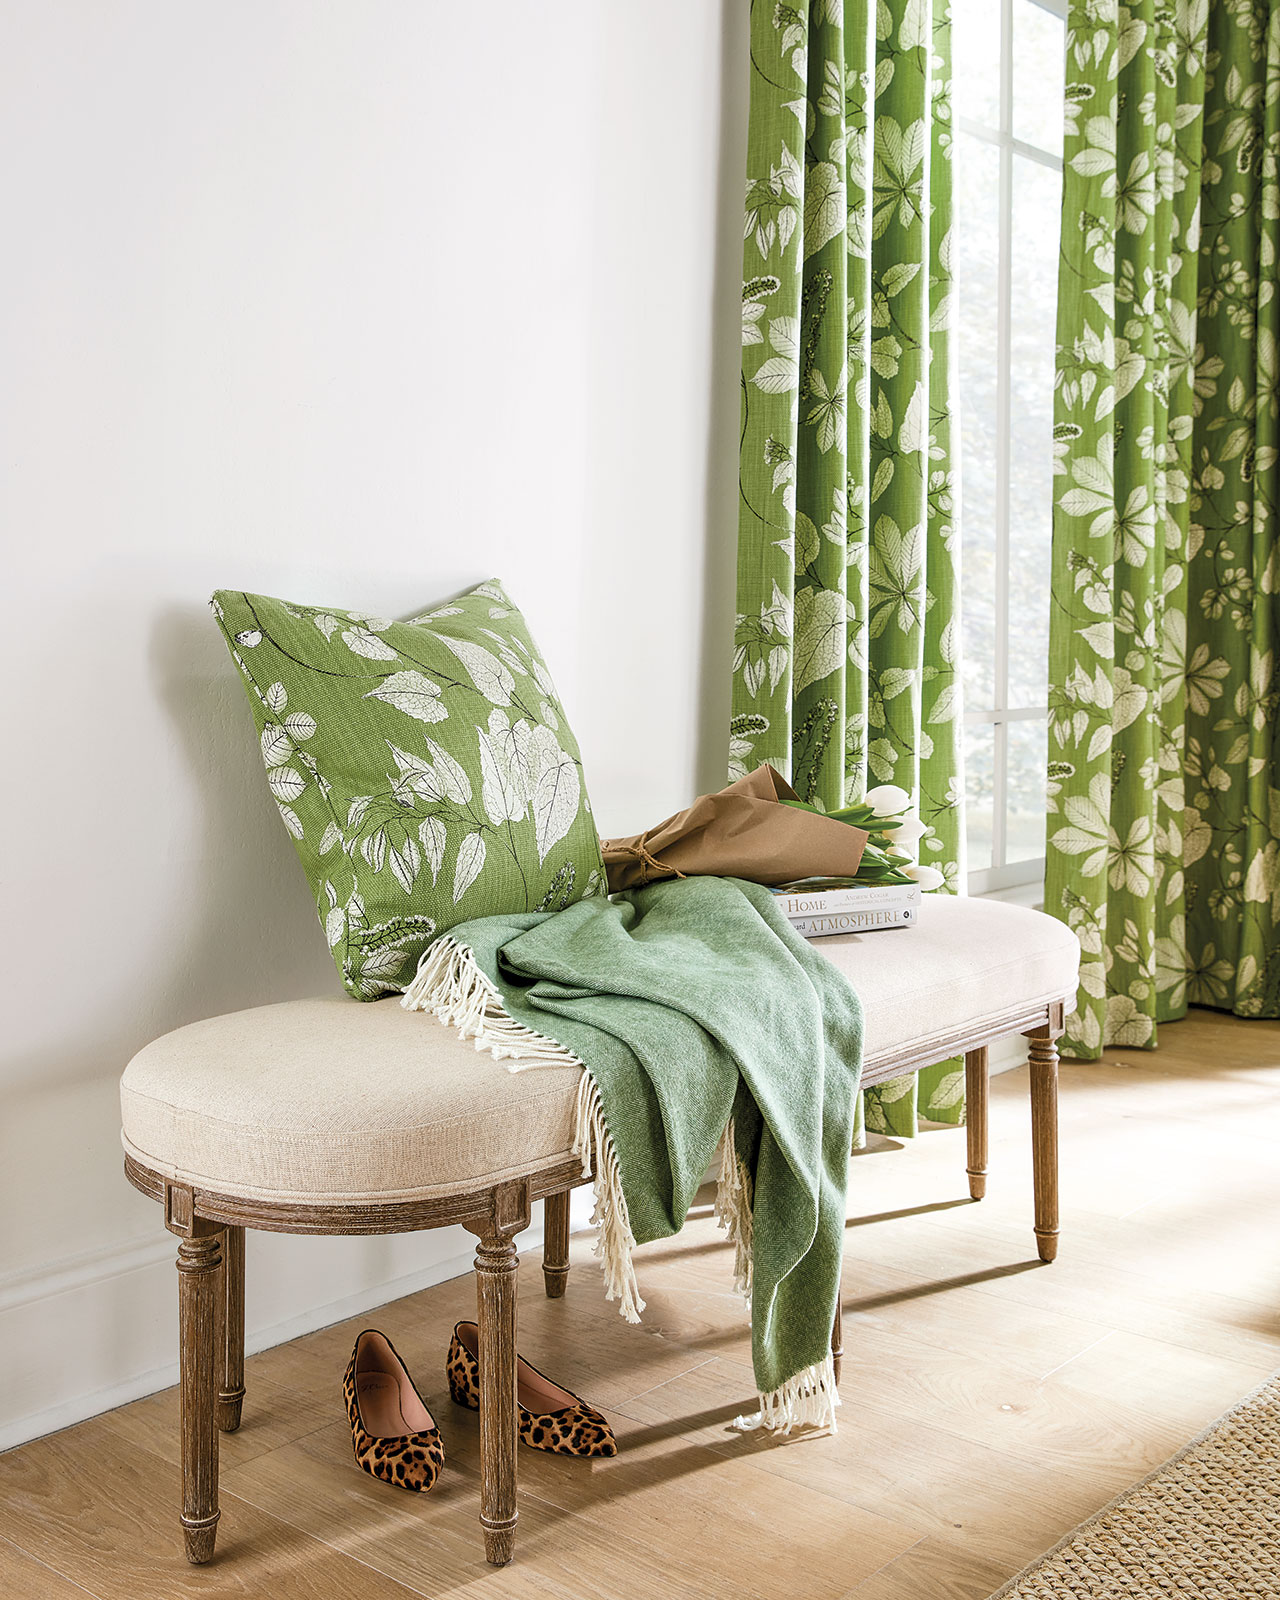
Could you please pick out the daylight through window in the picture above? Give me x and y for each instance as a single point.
(1008, 87)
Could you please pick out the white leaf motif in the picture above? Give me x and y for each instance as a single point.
(276, 745)
(367, 644)
(432, 833)
(911, 435)
(332, 835)
(488, 674)
(467, 868)
(286, 784)
(416, 777)
(277, 697)
(453, 780)
(406, 863)
(299, 725)
(412, 693)
(556, 791)
(291, 820)
(504, 768)
(383, 963)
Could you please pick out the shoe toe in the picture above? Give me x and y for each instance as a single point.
(412, 1462)
(597, 1428)
(579, 1431)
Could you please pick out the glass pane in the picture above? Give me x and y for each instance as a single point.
(979, 789)
(1036, 208)
(977, 249)
(1039, 63)
(1027, 752)
(975, 60)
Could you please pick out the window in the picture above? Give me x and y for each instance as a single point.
(1007, 84)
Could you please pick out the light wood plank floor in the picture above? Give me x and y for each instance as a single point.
(990, 1403)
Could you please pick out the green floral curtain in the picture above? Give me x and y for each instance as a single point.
(846, 652)
(1164, 784)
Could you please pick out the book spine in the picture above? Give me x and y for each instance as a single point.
(867, 921)
(827, 902)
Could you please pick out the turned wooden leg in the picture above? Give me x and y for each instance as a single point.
(555, 1244)
(199, 1260)
(837, 1336)
(230, 1344)
(1044, 1137)
(496, 1317)
(975, 1116)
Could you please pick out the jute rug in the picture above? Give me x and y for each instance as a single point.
(1204, 1525)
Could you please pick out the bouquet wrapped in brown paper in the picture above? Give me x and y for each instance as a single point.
(743, 831)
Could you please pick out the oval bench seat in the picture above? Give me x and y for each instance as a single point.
(329, 1099)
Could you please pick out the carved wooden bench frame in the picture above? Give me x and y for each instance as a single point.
(211, 1224)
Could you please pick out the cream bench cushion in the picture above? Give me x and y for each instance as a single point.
(332, 1100)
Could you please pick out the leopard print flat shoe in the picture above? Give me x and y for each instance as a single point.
(551, 1418)
(394, 1436)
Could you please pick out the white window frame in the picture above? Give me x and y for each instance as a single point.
(1017, 879)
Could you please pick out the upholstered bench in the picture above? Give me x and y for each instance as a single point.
(328, 1116)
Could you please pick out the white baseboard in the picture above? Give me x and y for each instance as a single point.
(90, 1332)
(1006, 1054)
(93, 1332)
(30, 1284)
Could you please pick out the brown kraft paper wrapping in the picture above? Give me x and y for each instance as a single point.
(739, 832)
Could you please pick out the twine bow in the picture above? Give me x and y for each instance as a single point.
(639, 851)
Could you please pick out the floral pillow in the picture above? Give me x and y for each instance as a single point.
(424, 769)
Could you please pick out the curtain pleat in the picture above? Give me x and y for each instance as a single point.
(846, 663)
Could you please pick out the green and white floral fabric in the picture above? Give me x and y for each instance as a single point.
(424, 770)
(1163, 849)
(847, 641)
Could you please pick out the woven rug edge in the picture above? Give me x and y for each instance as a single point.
(1134, 1488)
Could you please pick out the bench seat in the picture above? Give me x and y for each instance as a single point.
(332, 1100)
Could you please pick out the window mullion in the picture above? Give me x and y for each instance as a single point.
(1004, 344)
(1033, 152)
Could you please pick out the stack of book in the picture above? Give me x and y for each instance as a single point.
(816, 911)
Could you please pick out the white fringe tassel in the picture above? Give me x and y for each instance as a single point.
(450, 985)
(807, 1400)
(733, 1210)
(615, 1243)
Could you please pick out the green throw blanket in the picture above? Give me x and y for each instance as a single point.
(696, 1011)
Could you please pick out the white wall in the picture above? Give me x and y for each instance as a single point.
(353, 301)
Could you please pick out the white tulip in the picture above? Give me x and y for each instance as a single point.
(888, 800)
(926, 877)
(907, 832)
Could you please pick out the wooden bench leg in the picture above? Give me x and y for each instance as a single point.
(975, 1117)
(496, 1317)
(837, 1335)
(1044, 1137)
(555, 1244)
(230, 1344)
(199, 1262)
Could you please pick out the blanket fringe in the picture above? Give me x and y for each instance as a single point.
(615, 1243)
(734, 1202)
(807, 1400)
(451, 987)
